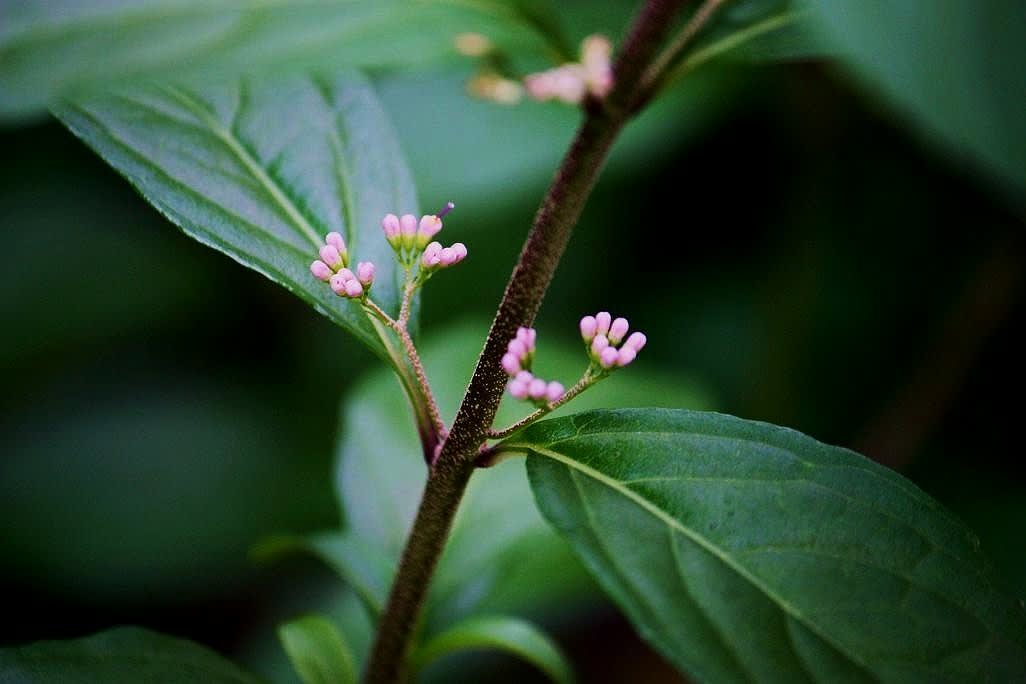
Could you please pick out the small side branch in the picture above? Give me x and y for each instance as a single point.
(584, 383)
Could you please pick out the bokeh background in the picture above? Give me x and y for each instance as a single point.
(797, 249)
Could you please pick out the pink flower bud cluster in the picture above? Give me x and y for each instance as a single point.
(570, 82)
(331, 268)
(604, 337)
(411, 238)
(517, 364)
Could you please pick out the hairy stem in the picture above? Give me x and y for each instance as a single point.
(550, 232)
(584, 383)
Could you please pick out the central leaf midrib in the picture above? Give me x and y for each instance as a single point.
(695, 537)
(236, 148)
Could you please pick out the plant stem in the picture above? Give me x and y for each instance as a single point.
(546, 242)
(584, 383)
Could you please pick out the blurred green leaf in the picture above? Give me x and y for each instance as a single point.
(125, 654)
(317, 650)
(955, 68)
(512, 635)
(238, 169)
(53, 48)
(500, 548)
(742, 550)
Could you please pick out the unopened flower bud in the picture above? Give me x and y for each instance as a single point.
(602, 320)
(331, 256)
(431, 257)
(338, 284)
(511, 364)
(636, 341)
(528, 336)
(335, 239)
(320, 270)
(354, 288)
(517, 348)
(596, 53)
(608, 357)
(537, 388)
(408, 229)
(599, 345)
(625, 356)
(390, 224)
(428, 228)
(554, 391)
(617, 330)
(588, 329)
(518, 389)
(365, 273)
(525, 376)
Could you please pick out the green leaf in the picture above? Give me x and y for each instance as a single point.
(360, 564)
(317, 650)
(125, 654)
(262, 171)
(52, 48)
(512, 635)
(955, 68)
(745, 551)
(501, 555)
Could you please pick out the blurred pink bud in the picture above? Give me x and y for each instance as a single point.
(518, 389)
(554, 390)
(608, 357)
(517, 348)
(525, 376)
(527, 336)
(568, 83)
(537, 388)
(335, 240)
(511, 364)
(390, 224)
(625, 356)
(588, 328)
(460, 250)
(596, 52)
(446, 257)
(539, 86)
(636, 341)
(331, 256)
(617, 330)
(429, 226)
(320, 270)
(431, 256)
(346, 274)
(602, 320)
(599, 345)
(338, 284)
(354, 288)
(408, 225)
(365, 273)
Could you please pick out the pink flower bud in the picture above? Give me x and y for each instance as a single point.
(390, 224)
(617, 330)
(518, 389)
(331, 256)
(537, 388)
(346, 274)
(588, 329)
(554, 390)
(365, 273)
(354, 288)
(320, 270)
(517, 348)
(608, 357)
(595, 56)
(525, 376)
(431, 256)
(429, 227)
(511, 364)
(602, 320)
(527, 336)
(446, 257)
(408, 229)
(539, 86)
(335, 240)
(569, 84)
(460, 250)
(625, 356)
(338, 284)
(636, 341)
(599, 345)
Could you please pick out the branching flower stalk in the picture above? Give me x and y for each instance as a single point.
(451, 469)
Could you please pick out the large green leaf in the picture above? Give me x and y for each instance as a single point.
(317, 650)
(745, 551)
(501, 556)
(262, 170)
(957, 68)
(496, 632)
(50, 48)
(126, 654)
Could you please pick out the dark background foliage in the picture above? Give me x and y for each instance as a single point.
(785, 240)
